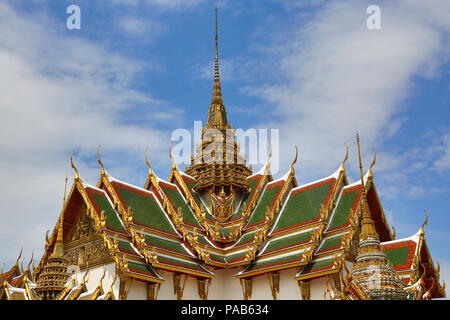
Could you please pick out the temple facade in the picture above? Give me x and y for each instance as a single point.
(218, 230)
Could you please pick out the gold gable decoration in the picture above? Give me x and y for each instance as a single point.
(85, 246)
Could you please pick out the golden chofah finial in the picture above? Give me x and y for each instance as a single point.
(373, 163)
(295, 160)
(21, 265)
(34, 271)
(360, 165)
(100, 162)
(20, 255)
(346, 158)
(148, 164)
(394, 233)
(425, 223)
(77, 176)
(29, 263)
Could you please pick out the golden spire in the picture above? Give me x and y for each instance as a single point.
(217, 92)
(65, 189)
(217, 116)
(58, 249)
(367, 223)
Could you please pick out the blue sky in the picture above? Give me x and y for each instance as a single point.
(139, 69)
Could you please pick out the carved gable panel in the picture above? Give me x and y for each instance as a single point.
(84, 246)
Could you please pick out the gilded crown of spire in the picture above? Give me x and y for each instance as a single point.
(217, 116)
(367, 224)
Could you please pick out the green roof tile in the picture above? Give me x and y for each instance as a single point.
(302, 207)
(126, 246)
(293, 240)
(246, 237)
(142, 268)
(252, 187)
(112, 220)
(178, 202)
(267, 199)
(146, 210)
(165, 244)
(398, 256)
(330, 242)
(182, 263)
(342, 211)
(287, 258)
(316, 265)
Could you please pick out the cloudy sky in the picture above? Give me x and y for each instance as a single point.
(139, 69)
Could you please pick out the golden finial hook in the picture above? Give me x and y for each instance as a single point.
(373, 163)
(394, 233)
(31, 260)
(346, 157)
(77, 176)
(1, 271)
(296, 157)
(99, 161)
(21, 265)
(17, 261)
(146, 159)
(148, 164)
(425, 222)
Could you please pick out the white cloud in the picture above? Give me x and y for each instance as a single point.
(164, 4)
(176, 4)
(60, 93)
(147, 29)
(340, 77)
(443, 162)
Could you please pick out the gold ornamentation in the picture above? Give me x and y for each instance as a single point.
(274, 282)
(246, 286)
(178, 289)
(305, 289)
(153, 290)
(203, 287)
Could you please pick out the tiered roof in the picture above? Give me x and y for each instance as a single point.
(276, 224)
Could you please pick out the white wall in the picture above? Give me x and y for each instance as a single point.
(225, 286)
(318, 287)
(138, 290)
